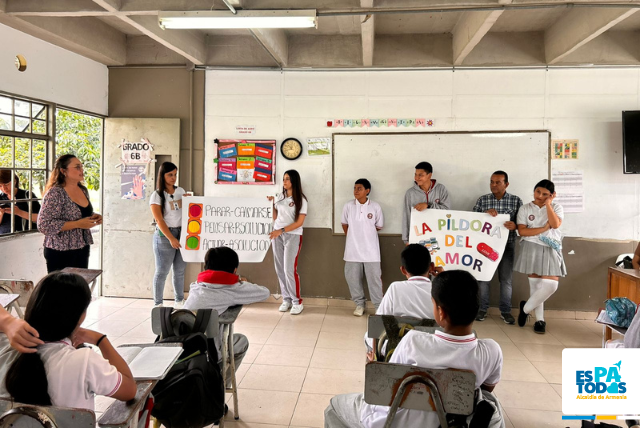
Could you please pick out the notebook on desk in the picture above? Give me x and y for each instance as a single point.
(149, 362)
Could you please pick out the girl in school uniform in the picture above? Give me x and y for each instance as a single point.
(166, 207)
(540, 253)
(58, 374)
(289, 212)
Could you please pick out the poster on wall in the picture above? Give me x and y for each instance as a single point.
(245, 161)
(569, 190)
(319, 146)
(136, 152)
(469, 241)
(242, 224)
(132, 180)
(564, 149)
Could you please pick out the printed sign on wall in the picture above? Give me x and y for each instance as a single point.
(243, 224)
(136, 152)
(473, 242)
(132, 181)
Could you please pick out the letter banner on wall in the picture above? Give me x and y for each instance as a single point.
(243, 224)
(469, 241)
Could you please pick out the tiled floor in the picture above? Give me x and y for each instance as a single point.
(295, 364)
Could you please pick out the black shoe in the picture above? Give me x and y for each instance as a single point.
(522, 316)
(508, 318)
(540, 327)
(482, 315)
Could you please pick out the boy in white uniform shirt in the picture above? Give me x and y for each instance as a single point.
(455, 305)
(361, 220)
(410, 298)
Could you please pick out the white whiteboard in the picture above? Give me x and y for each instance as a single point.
(462, 162)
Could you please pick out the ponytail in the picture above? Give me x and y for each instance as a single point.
(27, 381)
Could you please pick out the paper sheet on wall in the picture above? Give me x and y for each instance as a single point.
(564, 149)
(319, 146)
(569, 190)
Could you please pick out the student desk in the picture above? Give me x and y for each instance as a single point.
(11, 300)
(125, 414)
(226, 319)
(89, 275)
(622, 283)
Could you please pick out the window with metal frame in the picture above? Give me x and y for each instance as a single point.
(26, 138)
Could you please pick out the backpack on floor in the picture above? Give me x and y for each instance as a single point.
(192, 393)
(621, 311)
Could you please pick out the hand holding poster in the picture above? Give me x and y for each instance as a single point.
(242, 224)
(470, 241)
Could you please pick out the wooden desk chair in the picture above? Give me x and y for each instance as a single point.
(20, 287)
(382, 328)
(19, 415)
(213, 330)
(89, 275)
(444, 391)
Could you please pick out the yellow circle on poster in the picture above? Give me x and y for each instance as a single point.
(194, 227)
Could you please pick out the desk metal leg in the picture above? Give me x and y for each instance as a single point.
(234, 387)
(16, 306)
(225, 359)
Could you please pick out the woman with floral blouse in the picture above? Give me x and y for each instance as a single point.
(66, 216)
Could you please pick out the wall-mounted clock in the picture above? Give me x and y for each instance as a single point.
(291, 148)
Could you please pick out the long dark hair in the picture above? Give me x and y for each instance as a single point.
(296, 190)
(161, 185)
(57, 178)
(54, 310)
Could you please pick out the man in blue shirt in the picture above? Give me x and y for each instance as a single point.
(494, 203)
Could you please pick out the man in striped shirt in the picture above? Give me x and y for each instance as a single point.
(494, 203)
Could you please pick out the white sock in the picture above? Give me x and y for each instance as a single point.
(546, 288)
(534, 285)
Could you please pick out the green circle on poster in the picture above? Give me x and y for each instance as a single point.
(193, 243)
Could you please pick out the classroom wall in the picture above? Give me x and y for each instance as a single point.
(571, 103)
(55, 75)
(163, 93)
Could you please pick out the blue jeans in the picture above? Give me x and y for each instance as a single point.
(166, 257)
(505, 273)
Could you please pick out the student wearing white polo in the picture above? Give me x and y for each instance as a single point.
(361, 220)
(289, 212)
(410, 298)
(455, 305)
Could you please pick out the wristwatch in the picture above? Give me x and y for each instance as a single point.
(283, 231)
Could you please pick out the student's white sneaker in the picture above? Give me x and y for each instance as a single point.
(179, 304)
(359, 311)
(284, 307)
(296, 309)
(159, 305)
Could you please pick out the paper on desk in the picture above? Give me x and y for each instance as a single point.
(151, 362)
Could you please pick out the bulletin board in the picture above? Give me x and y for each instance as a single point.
(250, 162)
(462, 162)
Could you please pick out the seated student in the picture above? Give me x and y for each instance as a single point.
(59, 374)
(219, 288)
(410, 298)
(631, 337)
(455, 305)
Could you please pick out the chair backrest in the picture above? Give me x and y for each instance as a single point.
(376, 324)
(621, 257)
(17, 286)
(438, 390)
(186, 317)
(19, 415)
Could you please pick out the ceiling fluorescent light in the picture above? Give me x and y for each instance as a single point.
(243, 19)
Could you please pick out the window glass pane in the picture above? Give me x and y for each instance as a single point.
(24, 177)
(37, 110)
(23, 153)
(6, 152)
(6, 122)
(23, 108)
(5, 105)
(38, 156)
(39, 127)
(38, 183)
(23, 124)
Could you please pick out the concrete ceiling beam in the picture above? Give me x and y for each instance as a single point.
(53, 8)
(469, 31)
(88, 37)
(3, 6)
(368, 31)
(578, 27)
(275, 42)
(186, 43)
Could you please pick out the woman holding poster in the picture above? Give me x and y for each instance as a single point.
(166, 207)
(289, 212)
(540, 254)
